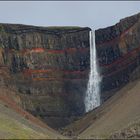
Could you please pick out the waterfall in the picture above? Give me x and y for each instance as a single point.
(92, 97)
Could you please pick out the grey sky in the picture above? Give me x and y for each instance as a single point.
(67, 13)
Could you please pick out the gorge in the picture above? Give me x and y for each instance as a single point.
(48, 67)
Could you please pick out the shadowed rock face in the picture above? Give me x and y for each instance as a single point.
(118, 50)
(48, 67)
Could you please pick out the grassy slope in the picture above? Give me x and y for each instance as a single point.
(16, 123)
(12, 126)
(15, 126)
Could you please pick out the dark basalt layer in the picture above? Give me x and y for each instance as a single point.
(49, 66)
(118, 50)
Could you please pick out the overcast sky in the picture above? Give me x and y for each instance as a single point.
(67, 13)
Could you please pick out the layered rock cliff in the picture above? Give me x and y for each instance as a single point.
(118, 50)
(48, 67)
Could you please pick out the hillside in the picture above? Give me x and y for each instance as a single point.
(16, 123)
(119, 115)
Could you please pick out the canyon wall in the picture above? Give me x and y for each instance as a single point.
(48, 67)
(118, 50)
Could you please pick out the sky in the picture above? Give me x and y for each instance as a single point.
(93, 14)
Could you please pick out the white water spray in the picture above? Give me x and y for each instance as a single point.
(92, 98)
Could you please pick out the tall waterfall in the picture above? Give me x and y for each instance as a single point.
(92, 97)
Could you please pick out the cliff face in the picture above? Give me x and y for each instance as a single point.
(118, 50)
(48, 67)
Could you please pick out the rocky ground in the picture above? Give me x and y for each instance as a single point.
(130, 132)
